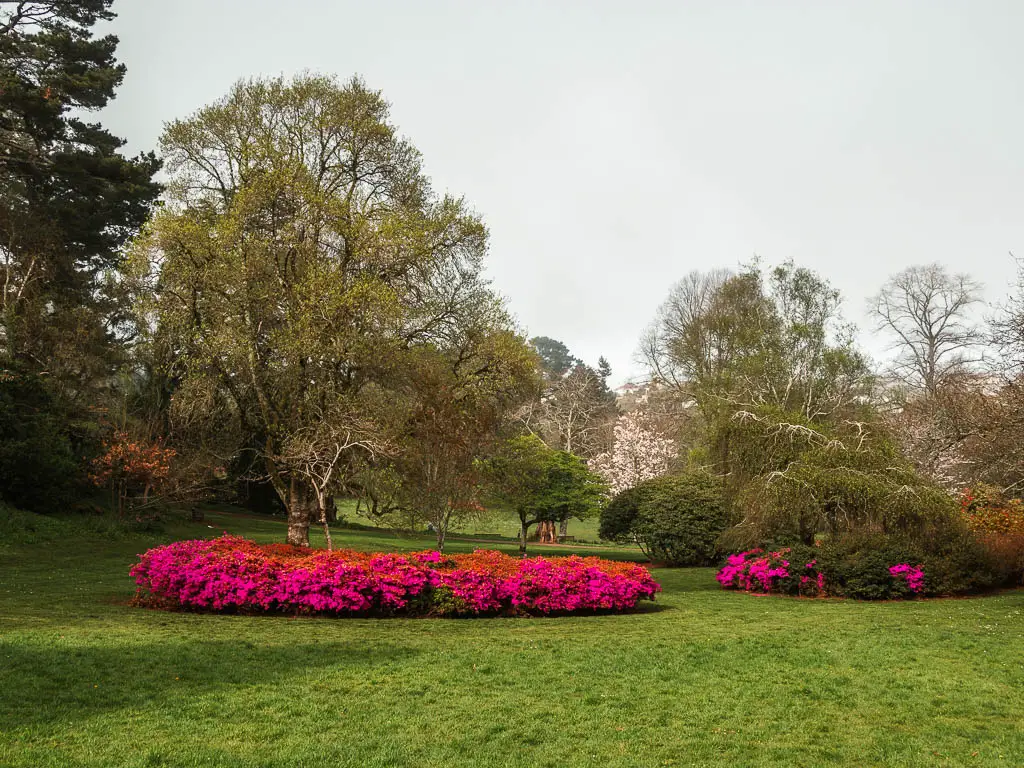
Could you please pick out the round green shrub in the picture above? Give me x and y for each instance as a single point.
(619, 516)
(676, 519)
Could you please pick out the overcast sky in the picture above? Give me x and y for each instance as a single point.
(614, 146)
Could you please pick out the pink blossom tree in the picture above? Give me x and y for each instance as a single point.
(639, 453)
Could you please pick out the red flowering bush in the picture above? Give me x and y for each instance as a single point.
(234, 574)
(987, 511)
(911, 575)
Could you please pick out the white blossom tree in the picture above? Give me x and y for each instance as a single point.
(639, 453)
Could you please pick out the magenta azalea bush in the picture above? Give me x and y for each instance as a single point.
(784, 572)
(912, 575)
(771, 572)
(234, 574)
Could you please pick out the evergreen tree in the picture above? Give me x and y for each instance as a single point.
(68, 199)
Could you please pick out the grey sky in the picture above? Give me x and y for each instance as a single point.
(614, 146)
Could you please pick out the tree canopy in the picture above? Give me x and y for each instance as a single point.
(540, 484)
(302, 267)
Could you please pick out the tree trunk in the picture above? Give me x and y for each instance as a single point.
(563, 528)
(298, 513)
(440, 538)
(326, 527)
(332, 510)
(522, 536)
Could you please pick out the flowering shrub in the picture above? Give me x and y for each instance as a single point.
(127, 464)
(998, 525)
(987, 511)
(912, 575)
(756, 571)
(234, 574)
(788, 572)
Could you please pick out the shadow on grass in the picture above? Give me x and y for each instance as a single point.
(59, 683)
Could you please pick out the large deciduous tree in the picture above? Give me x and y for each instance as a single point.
(725, 341)
(301, 259)
(926, 310)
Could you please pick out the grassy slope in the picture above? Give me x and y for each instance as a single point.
(709, 678)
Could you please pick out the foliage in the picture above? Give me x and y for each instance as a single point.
(555, 358)
(129, 465)
(961, 432)
(860, 567)
(457, 407)
(773, 340)
(619, 515)
(539, 484)
(574, 409)
(793, 479)
(37, 462)
(787, 571)
(302, 267)
(639, 452)
(867, 566)
(987, 510)
(69, 199)
(998, 525)
(865, 576)
(231, 573)
(676, 519)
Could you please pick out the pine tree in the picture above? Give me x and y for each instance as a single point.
(68, 199)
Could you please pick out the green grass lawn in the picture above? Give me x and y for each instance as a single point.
(491, 522)
(702, 678)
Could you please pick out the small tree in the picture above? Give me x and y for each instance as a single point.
(640, 452)
(542, 485)
(316, 456)
(458, 400)
(128, 465)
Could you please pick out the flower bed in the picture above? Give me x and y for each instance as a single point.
(234, 574)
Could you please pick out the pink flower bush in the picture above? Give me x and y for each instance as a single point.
(234, 574)
(911, 574)
(757, 571)
(772, 573)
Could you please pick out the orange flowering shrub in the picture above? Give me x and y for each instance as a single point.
(986, 511)
(998, 523)
(128, 465)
